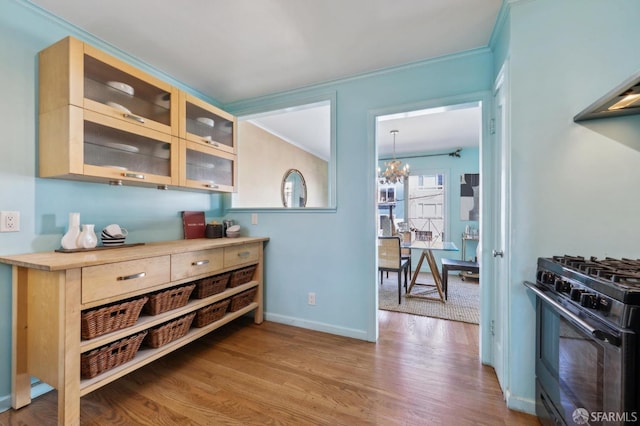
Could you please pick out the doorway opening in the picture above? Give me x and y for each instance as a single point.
(437, 204)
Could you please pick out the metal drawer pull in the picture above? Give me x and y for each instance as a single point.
(134, 117)
(212, 185)
(200, 263)
(210, 142)
(244, 253)
(132, 277)
(134, 175)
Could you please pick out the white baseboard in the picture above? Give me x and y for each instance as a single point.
(5, 402)
(37, 389)
(317, 326)
(525, 405)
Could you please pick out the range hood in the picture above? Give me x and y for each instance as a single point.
(623, 100)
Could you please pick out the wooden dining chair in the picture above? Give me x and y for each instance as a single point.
(390, 260)
(406, 252)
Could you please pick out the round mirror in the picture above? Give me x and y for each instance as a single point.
(294, 189)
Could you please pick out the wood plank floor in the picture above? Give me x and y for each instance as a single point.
(422, 371)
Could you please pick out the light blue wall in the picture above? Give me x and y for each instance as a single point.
(469, 162)
(150, 215)
(574, 185)
(332, 253)
(499, 41)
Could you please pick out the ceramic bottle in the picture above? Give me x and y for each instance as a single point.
(69, 240)
(87, 238)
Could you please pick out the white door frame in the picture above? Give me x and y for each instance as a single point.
(486, 201)
(498, 267)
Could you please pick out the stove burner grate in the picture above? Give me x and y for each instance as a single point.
(622, 271)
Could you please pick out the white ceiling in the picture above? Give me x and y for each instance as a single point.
(239, 49)
(308, 128)
(434, 129)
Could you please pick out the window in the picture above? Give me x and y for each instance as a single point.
(390, 207)
(427, 206)
(387, 194)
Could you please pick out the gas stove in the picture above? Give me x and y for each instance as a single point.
(607, 288)
(587, 352)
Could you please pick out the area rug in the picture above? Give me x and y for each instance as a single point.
(462, 305)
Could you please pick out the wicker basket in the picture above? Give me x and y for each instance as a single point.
(211, 313)
(102, 359)
(211, 285)
(106, 319)
(169, 331)
(242, 276)
(243, 299)
(167, 300)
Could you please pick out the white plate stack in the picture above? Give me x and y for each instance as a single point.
(233, 231)
(113, 235)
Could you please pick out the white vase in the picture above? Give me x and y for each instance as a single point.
(69, 240)
(87, 238)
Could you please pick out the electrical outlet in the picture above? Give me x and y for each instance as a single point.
(254, 218)
(9, 221)
(311, 299)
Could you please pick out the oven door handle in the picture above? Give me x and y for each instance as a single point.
(598, 334)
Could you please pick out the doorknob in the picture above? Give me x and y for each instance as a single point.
(497, 253)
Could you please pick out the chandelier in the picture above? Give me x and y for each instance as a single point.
(394, 172)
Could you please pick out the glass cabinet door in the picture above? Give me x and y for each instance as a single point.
(116, 89)
(101, 119)
(122, 153)
(207, 168)
(206, 124)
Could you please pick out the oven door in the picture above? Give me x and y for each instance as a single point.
(585, 369)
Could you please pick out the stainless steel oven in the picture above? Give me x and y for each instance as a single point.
(586, 350)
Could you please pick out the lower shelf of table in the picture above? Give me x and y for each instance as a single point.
(148, 321)
(146, 355)
(469, 275)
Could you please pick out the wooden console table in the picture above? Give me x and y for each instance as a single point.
(50, 291)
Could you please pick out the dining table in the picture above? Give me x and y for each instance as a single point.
(426, 249)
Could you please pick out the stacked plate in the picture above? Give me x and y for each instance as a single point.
(233, 231)
(113, 235)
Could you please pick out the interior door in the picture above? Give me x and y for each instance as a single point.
(500, 252)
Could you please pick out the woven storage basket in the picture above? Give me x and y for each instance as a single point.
(167, 300)
(211, 313)
(242, 276)
(169, 331)
(102, 359)
(96, 322)
(211, 285)
(243, 299)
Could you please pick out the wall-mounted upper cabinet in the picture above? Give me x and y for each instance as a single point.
(206, 124)
(206, 168)
(104, 120)
(85, 145)
(101, 83)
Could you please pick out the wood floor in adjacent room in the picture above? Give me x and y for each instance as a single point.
(422, 371)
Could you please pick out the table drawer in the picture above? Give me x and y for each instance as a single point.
(115, 279)
(185, 265)
(239, 255)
